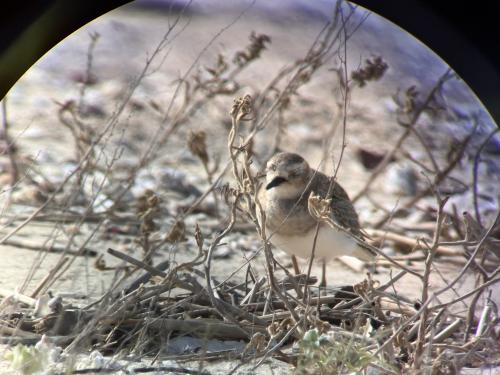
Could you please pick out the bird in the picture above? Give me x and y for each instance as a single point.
(289, 181)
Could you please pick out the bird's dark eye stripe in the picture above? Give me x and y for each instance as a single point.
(275, 182)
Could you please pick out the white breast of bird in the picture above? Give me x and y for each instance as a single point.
(330, 244)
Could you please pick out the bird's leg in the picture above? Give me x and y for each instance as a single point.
(295, 265)
(322, 284)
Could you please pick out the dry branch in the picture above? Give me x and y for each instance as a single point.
(51, 248)
(205, 328)
(380, 236)
(408, 130)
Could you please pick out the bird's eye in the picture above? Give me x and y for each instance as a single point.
(273, 167)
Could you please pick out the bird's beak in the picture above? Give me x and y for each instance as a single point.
(276, 181)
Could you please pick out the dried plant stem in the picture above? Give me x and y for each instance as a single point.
(325, 45)
(91, 148)
(63, 269)
(415, 244)
(94, 37)
(484, 320)
(49, 276)
(464, 296)
(428, 151)
(278, 345)
(136, 370)
(242, 108)
(408, 130)
(431, 252)
(471, 312)
(206, 328)
(436, 181)
(448, 331)
(152, 270)
(9, 331)
(475, 169)
(471, 259)
(220, 305)
(146, 306)
(50, 249)
(305, 293)
(345, 90)
(344, 106)
(163, 132)
(402, 327)
(18, 297)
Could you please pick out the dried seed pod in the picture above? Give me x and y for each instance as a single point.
(273, 329)
(242, 107)
(286, 324)
(319, 207)
(373, 70)
(253, 50)
(100, 263)
(143, 201)
(257, 342)
(322, 326)
(198, 236)
(197, 145)
(177, 232)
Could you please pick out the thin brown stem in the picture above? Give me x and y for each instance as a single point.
(408, 130)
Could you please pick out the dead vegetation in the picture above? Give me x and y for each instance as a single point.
(151, 299)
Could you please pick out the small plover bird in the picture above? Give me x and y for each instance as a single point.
(290, 226)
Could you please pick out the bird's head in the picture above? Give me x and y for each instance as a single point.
(287, 175)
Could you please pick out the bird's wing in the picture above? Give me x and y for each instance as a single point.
(343, 212)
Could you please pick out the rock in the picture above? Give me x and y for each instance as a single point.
(29, 195)
(222, 252)
(402, 179)
(188, 344)
(370, 159)
(176, 180)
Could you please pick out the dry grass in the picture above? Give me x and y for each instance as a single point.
(279, 315)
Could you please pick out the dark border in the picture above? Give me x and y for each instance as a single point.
(465, 35)
(28, 29)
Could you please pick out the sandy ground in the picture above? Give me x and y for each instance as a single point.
(128, 36)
